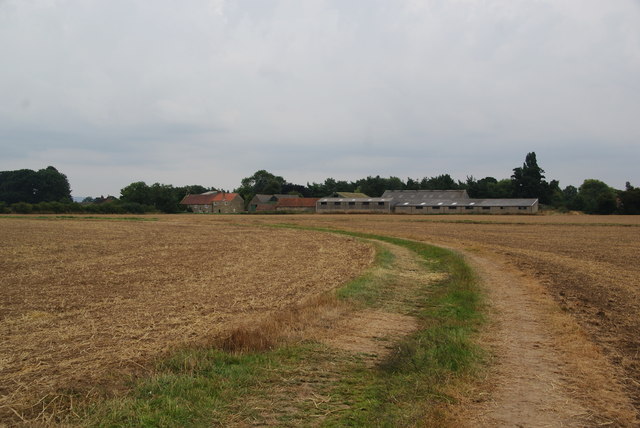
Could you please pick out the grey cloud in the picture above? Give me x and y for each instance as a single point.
(402, 88)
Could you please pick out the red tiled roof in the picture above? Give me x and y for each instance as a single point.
(208, 198)
(297, 203)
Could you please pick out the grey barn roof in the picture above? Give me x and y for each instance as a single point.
(465, 202)
(261, 198)
(419, 196)
(355, 200)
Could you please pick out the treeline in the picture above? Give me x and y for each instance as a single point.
(32, 187)
(527, 181)
(47, 191)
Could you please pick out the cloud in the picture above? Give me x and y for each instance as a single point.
(405, 88)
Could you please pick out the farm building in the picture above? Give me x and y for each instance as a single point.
(300, 205)
(469, 206)
(427, 202)
(455, 202)
(267, 202)
(354, 205)
(214, 202)
(414, 196)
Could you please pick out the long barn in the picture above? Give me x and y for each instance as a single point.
(455, 202)
(427, 202)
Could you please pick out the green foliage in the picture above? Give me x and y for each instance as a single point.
(441, 182)
(528, 180)
(137, 192)
(261, 182)
(570, 196)
(488, 187)
(373, 186)
(630, 200)
(162, 197)
(330, 186)
(596, 197)
(112, 207)
(22, 208)
(33, 187)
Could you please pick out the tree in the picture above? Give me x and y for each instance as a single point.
(440, 182)
(261, 182)
(412, 184)
(137, 192)
(630, 200)
(372, 186)
(25, 185)
(570, 195)
(164, 198)
(528, 181)
(480, 188)
(295, 189)
(52, 186)
(596, 197)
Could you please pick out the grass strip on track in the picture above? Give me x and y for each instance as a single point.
(309, 383)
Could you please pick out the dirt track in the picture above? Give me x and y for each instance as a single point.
(564, 297)
(545, 373)
(585, 268)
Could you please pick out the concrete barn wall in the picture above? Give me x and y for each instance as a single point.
(465, 210)
(352, 207)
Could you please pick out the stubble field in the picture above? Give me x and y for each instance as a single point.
(589, 264)
(84, 303)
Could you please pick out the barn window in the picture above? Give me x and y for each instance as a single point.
(435, 208)
(522, 208)
(352, 203)
(419, 208)
(453, 208)
(381, 204)
(468, 208)
(323, 203)
(365, 203)
(336, 203)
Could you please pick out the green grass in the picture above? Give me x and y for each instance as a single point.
(205, 387)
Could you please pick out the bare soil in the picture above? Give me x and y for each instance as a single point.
(545, 372)
(84, 303)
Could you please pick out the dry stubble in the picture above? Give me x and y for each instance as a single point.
(84, 302)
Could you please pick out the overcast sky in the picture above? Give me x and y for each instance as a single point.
(209, 91)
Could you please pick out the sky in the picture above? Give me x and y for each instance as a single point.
(207, 92)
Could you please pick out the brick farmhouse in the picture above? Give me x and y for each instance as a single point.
(214, 202)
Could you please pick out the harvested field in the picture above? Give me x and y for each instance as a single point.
(83, 303)
(589, 264)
